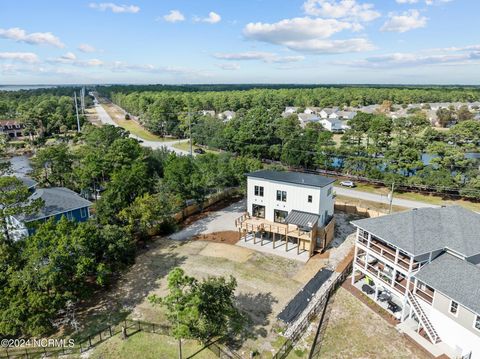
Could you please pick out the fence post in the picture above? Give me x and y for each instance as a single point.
(110, 330)
(153, 327)
(89, 341)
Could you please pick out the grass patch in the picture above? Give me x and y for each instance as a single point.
(146, 345)
(185, 146)
(376, 206)
(130, 125)
(355, 331)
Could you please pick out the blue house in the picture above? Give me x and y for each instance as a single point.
(58, 202)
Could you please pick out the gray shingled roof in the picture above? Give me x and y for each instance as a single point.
(302, 219)
(425, 230)
(454, 277)
(57, 200)
(306, 179)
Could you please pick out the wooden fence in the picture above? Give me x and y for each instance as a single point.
(352, 208)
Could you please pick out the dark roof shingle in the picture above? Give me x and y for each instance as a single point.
(301, 178)
(57, 200)
(425, 230)
(454, 277)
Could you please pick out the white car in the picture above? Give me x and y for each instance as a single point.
(347, 184)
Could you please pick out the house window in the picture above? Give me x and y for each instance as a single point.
(69, 215)
(476, 324)
(453, 307)
(282, 196)
(258, 211)
(259, 191)
(83, 212)
(310, 199)
(279, 216)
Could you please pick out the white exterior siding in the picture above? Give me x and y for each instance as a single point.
(452, 333)
(297, 198)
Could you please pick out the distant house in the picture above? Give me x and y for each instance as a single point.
(12, 129)
(346, 115)
(226, 115)
(312, 110)
(369, 109)
(58, 202)
(332, 124)
(208, 113)
(329, 112)
(305, 118)
(289, 111)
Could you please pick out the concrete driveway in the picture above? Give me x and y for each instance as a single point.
(217, 221)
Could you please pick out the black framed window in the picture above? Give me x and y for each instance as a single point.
(282, 196)
(310, 199)
(259, 191)
(477, 322)
(258, 211)
(279, 216)
(453, 307)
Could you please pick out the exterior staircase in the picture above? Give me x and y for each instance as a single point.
(422, 317)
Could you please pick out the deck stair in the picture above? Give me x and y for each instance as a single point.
(422, 317)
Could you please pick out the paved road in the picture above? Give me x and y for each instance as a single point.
(105, 118)
(381, 198)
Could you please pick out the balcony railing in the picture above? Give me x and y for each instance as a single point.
(426, 295)
(386, 252)
(382, 276)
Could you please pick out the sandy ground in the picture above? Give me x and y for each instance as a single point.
(266, 283)
(218, 221)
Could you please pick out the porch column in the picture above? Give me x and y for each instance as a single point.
(255, 237)
(261, 238)
(273, 240)
(397, 253)
(298, 245)
(353, 273)
(376, 292)
(286, 243)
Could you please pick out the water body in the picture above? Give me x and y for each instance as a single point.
(20, 165)
(24, 87)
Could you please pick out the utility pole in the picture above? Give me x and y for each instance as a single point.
(390, 197)
(76, 110)
(190, 130)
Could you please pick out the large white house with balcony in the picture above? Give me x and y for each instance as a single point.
(424, 266)
(290, 209)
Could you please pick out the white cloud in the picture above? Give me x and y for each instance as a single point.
(407, 1)
(174, 16)
(406, 21)
(212, 18)
(308, 34)
(71, 59)
(28, 57)
(267, 57)
(86, 48)
(229, 67)
(117, 9)
(341, 9)
(34, 38)
(434, 2)
(448, 56)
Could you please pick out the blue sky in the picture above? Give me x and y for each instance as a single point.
(240, 41)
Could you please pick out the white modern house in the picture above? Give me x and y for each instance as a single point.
(207, 113)
(312, 110)
(293, 208)
(424, 266)
(289, 110)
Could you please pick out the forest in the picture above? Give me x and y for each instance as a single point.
(407, 151)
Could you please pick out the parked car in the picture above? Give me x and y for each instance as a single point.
(200, 151)
(347, 184)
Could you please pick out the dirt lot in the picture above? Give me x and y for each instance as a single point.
(355, 331)
(266, 283)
